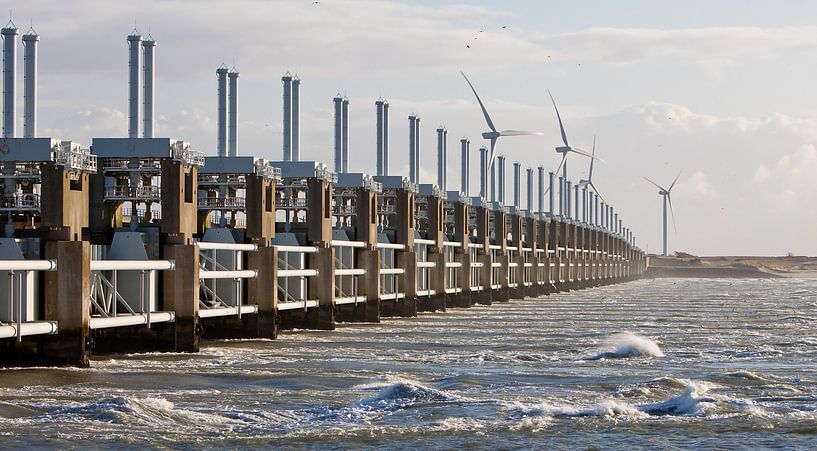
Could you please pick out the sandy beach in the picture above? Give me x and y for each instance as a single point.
(730, 267)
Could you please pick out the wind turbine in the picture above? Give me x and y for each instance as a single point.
(493, 135)
(665, 193)
(589, 180)
(566, 149)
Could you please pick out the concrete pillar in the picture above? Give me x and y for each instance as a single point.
(181, 295)
(369, 286)
(67, 301)
(485, 296)
(323, 287)
(437, 301)
(260, 209)
(503, 293)
(461, 255)
(263, 290)
(179, 200)
(516, 230)
(64, 203)
(319, 221)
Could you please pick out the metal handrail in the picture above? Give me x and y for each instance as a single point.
(123, 191)
(225, 202)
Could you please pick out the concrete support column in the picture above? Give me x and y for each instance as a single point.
(324, 287)
(463, 277)
(437, 275)
(67, 301)
(263, 290)
(181, 295)
(487, 296)
(369, 285)
(504, 292)
(408, 283)
(521, 289)
(462, 256)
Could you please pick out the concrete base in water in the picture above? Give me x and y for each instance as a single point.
(65, 349)
(481, 297)
(362, 312)
(501, 295)
(517, 293)
(435, 303)
(399, 308)
(318, 318)
(248, 326)
(134, 339)
(459, 300)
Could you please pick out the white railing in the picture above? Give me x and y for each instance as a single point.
(292, 265)
(75, 159)
(219, 262)
(121, 192)
(231, 203)
(182, 152)
(451, 267)
(155, 214)
(389, 272)
(347, 272)
(424, 267)
(18, 319)
(20, 201)
(291, 202)
(124, 164)
(110, 291)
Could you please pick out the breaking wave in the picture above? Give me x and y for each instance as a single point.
(691, 401)
(404, 392)
(625, 345)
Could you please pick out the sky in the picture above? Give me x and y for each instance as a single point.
(719, 91)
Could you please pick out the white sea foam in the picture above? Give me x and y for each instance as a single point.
(627, 344)
(691, 401)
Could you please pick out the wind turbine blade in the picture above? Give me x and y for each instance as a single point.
(561, 163)
(597, 192)
(672, 213)
(592, 160)
(519, 133)
(673, 182)
(558, 116)
(586, 154)
(656, 185)
(481, 105)
(492, 154)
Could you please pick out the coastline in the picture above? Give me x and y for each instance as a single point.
(731, 267)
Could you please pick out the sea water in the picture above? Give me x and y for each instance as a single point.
(663, 363)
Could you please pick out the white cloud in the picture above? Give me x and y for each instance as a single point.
(714, 46)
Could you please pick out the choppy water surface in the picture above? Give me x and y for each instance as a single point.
(661, 363)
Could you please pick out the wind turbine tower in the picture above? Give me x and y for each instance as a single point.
(665, 193)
